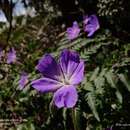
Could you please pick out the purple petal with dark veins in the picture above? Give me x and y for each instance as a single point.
(69, 61)
(48, 67)
(66, 96)
(78, 74)
(45, 85)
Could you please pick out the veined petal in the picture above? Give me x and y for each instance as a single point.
(48, 67)
(78, 74)
(66, 96)
(45, 85)
(69, 61)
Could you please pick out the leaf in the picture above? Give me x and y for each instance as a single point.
(91, 103)
(110, 79)
(94, 75)
(99, 82)
(119, 96)
(124, 81)
(88, 87)
(103, 72)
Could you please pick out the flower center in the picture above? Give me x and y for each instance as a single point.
(65, 80)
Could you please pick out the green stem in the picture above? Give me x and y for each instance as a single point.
(74, 119)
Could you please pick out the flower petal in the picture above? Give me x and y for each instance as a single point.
(11, 56)
(78, 74)
(90, 30)
(91, 24)
(23, 80)
(45, 85)
(73, 32)
(65, 97)
(48, 67)
(69, 61)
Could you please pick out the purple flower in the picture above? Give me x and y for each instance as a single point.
(61, 78)
(11, 56)
(73, 32)
(23, 80)
(91, 24)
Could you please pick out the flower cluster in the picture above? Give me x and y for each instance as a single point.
(11, 58)
(60, 78)
(90, 26)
